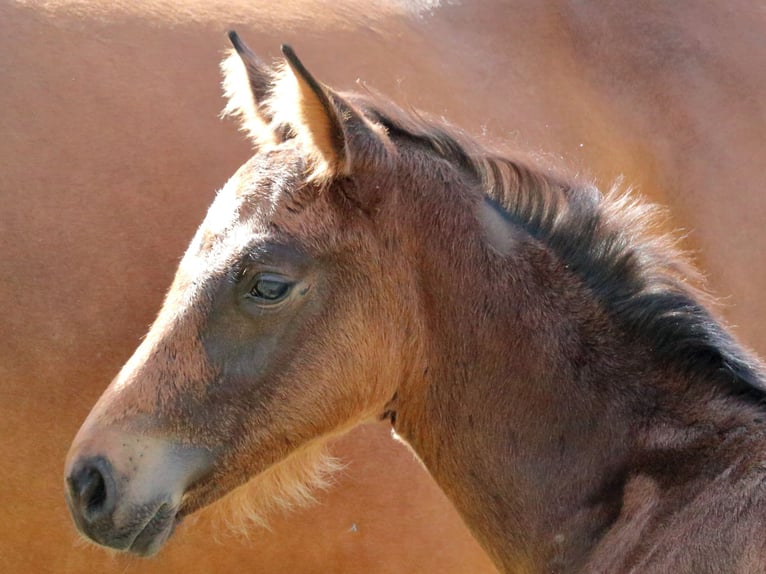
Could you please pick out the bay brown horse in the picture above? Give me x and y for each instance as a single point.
(538, 344)
(111, 148)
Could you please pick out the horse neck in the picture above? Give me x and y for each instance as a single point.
(528, 401)
(512, 415)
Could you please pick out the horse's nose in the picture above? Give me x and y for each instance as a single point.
(91, 491)
(124, 490)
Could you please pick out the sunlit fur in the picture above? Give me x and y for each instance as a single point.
(613, 241)
(636, 276)
(537, 385)
(640, 276)
(291, 484)
(240, 103)
(291, 109)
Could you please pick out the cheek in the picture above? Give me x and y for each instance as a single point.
(349, 358)
(331, 358)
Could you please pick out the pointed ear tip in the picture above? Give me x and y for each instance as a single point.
(290, 56)
(296, 65)
(237, 42)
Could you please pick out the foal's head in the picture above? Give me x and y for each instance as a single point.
(292, 317)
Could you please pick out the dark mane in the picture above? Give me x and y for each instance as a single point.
(611, 242)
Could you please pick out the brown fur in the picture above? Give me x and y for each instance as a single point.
(112, 148)
(567, 394)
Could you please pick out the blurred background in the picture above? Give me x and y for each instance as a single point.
(111, 149)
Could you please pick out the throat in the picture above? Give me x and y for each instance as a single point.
(537, 487)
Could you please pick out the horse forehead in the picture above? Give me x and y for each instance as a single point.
(266, 200)
(242, 202)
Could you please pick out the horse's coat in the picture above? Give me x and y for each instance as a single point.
(96, 94)
(344, 274)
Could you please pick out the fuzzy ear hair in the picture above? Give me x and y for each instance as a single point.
(314, 113)
(273, 105)
(247, 85)
(335, 135)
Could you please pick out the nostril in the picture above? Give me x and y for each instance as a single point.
(93, 490)
(89, 489)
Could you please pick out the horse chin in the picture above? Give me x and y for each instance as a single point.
(155, 533)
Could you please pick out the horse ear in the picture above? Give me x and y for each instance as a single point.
(330, 128)
(274, 105)
(247, 84)
(317, 115)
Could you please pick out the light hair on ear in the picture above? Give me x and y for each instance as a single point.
(240, 101)
(274, 104)
(301, 102)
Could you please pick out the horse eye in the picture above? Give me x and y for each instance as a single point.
(270, 289)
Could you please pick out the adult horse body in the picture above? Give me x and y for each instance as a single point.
(111, 147)
(535, 342)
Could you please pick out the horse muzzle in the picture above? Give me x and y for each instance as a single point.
(124, 489)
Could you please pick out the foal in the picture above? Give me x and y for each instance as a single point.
(531, 339)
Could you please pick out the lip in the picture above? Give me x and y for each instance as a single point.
(155, 532)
